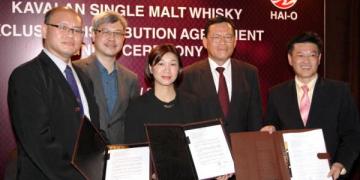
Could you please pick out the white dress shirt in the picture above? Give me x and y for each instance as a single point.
(62, 66)
(227, 75)
(300, 92)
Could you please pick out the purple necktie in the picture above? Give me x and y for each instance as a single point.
(305, 104)
(72, 82)
(223, 92)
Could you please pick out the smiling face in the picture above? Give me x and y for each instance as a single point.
(166, 70)
(63, 43)
(305, 60)
(109, 39)
(220, 42)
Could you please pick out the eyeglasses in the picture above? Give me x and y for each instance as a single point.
(65, 29)
(218, 38)
(108, 33)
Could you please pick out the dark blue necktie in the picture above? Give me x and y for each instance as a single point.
(72, 82)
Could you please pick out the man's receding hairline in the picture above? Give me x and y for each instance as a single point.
(64, 9)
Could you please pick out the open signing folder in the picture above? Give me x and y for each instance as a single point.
(282, 155)
(97, 161)
(191, 151)
(302, 149)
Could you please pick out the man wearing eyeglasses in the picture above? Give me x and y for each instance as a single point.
(114, 84)
(227, 87)
(47, 98)
(309, 101)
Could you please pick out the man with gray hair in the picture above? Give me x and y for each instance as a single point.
(114, 84)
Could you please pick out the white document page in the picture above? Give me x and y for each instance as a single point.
(210, 152)
(303, 148)
(128, 164)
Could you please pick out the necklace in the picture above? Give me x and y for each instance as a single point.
(168, 106)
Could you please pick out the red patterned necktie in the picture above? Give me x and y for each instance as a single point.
(305, 104)
(223, 92)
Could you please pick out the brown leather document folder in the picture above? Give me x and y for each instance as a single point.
(90, 153)
(170, 152)
(260, 155)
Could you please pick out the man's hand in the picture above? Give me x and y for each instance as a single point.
(335, 170)
(269, 128)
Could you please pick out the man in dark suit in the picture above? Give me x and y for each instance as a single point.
(114, 84)
(240, 105)
(309, 101)
(47, 98)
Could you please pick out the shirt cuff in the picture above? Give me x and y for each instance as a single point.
(343, 171)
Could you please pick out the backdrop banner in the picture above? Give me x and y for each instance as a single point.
(263, 29)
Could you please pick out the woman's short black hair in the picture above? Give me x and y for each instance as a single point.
(155, 56)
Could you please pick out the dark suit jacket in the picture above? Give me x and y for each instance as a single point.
(112, 124)
(148, 109)
(332, 109)
(45, 116)
(245, 106)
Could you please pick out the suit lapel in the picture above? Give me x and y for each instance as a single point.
(82, 82)
(210, 92)
(293, 103)
(315, 101)
(208, 80)
(121, 91)
(95, 76)
(55, 73)
(239, 88)
(85, 87)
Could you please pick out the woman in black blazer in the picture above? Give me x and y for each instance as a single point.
(163, 103)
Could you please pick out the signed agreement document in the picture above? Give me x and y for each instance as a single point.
(210, 151)
(96, 160)
(303, 149)
(189, 151)
(297, 154)
(129, 164)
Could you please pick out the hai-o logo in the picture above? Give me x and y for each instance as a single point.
(283, 14)
(283, 4)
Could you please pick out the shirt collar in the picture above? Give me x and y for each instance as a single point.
(213, 64)
(310, 85)
(59, 62)
(103, 69)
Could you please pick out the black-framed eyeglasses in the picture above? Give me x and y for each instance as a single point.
(108, 33)
(66, 29)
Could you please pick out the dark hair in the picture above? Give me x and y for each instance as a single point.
(52, 11)
(305, 37)
(155, 56)
(218, 20)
